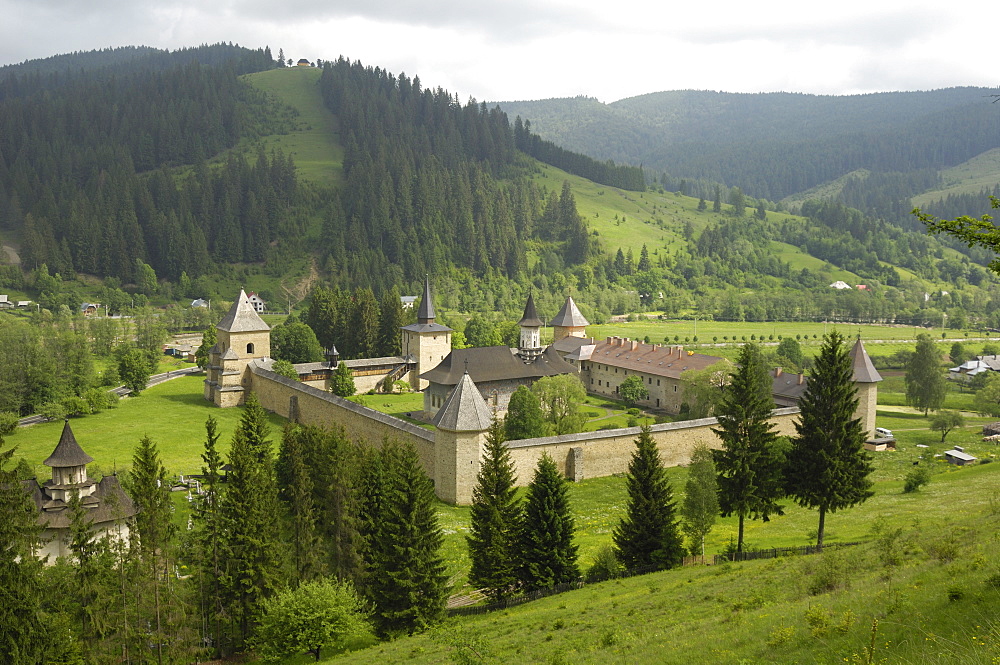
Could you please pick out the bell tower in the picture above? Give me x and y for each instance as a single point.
(425, 341)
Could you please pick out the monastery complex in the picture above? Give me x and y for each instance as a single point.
(463, 388)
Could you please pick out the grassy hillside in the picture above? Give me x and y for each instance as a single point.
(971, 177)
(314, 143)
(924, 589)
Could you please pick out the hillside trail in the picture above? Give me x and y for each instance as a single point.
(12, 256)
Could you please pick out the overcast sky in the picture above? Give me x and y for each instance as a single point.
(536, 49)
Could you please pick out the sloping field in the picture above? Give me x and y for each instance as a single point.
(315, 142)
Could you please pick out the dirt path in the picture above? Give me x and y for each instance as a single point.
(11, 254)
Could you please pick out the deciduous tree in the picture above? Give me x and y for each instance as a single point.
(701, 501)
(925, 381)
(633, 390)
(560, 398)
(524, 419)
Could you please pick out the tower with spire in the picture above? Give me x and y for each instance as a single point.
(243, 337)
(108, 508)
(458, 443)
(569, 322)
(866, 379)
(530, 346)
(425, 341)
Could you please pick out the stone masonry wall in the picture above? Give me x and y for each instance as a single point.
(605, 453)
(316, 407)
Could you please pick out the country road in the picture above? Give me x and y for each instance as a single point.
(122, 391)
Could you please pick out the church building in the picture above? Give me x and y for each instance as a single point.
(108, 508)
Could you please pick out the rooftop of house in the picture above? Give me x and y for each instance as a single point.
(569, 316)
(655, 359)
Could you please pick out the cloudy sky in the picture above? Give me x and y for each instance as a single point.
(534, 49)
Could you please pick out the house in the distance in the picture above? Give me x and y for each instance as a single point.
(258, 303)
(5, 303)
(89, 308)
(972, 368)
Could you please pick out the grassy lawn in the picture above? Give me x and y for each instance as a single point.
(173, 414)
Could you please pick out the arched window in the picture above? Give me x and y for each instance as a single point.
(250, 347)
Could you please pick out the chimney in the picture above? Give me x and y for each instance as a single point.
(802, 379)
(777, 372)
(635, 345)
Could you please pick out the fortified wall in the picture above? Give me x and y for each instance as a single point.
(451, 458)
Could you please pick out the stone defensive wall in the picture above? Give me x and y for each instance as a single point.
(308, 405)
(608, 452)
(578, 456)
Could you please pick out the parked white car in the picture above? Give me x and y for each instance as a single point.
(883, 433)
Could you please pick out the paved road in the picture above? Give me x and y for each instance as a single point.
(122, 391)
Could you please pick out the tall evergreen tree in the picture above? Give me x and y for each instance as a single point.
(150, 491)
(22, 631)
(209, 537)
(749, 464)
(827, 466)
(648, 534)
(548, 555)
(296, 484)
(406, 580)
(495, 518)
(925, 381)
(390, 321)
(250, 511)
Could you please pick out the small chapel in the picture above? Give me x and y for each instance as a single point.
(109, 509)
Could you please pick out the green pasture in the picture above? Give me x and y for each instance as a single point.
(982, 172)
(925, 573)
(315, 141)
(172, 414)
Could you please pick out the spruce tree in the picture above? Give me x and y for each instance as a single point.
(406, 580)
(296, 485)
(22, 632)
(524, 419)
(495, 519)
(548, 555)
(827, 465)
(150, 491)
(925, 381)
(342, 381)
(648, 534)
(250, 512)
(749, 464)
(390, 321)
(209, 537)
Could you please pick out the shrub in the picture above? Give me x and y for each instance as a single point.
(916, 479)
(955, 594)
(779, 636)
(818, 620)
(633, 412)
(75, 406)
(632, 421)
(832, 571)
(606, 566)
(52, 411)
(8, 423)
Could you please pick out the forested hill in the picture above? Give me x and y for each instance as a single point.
(773, 145)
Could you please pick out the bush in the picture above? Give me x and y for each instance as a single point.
(76, 406)
(606, 566)
(633, 412)
(8, 423)
(916, 479)
(632, 421)
(52, 411)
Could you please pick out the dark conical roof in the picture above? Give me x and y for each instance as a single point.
(569, 316)
(68, 452)
(242, 317)
(426, 312)
(530, 318)
(861, 364)
(465, 410)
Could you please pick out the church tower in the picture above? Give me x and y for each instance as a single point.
(866, 379)
(569, 322)
(531, 335)
(425, 341)
(458, 442)
(242, 338)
